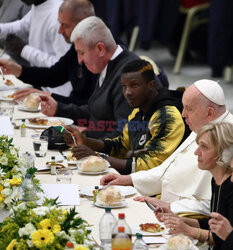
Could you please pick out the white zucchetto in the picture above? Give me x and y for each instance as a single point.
(211, 90)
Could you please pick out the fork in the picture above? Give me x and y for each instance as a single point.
(153, 208)
(3, 76)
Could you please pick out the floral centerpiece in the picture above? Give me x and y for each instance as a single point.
(12, 173)
(44, 227)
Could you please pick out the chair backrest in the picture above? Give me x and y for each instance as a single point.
(191, 3)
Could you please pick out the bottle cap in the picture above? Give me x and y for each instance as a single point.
(53, 158)
(96, 187)
(121, 229)
(23, 120)
(139, 236)
(107, 209)
(121, 215)
(27, 176)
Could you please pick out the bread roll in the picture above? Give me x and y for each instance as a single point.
(93, 164)
(179, 242)
(31, 102)
(110, 196)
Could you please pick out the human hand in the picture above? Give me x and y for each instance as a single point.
(9, 67)
(21, 94)
(116, 179)
(48, 105)
(176, 225)
(77, 135)
(14, 43)
(220, 225)
(80, 152)
(158, 204)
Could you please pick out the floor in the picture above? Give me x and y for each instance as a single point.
(190, 72)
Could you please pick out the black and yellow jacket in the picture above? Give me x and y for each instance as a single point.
(157, 133)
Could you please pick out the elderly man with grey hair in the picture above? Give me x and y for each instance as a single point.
(97, 49)
(183, 187)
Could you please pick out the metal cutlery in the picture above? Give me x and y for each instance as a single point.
(153, 208)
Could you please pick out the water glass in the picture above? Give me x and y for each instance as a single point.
(40, 145)
(63, 176)
(7, 110)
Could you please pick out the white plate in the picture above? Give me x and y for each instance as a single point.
(22, 108)
(136, 229)
(66, 121)
(122, 204)
(4, 94)
(93, 173)
(125, 190)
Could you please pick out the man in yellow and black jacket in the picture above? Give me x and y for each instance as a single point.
(153, 131)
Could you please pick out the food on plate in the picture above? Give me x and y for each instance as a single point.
(38, 121)
(9, 83)
(70, 157)
(152, 227)
(93, 164)
(45, 122)
(10, 96)
(178, 242)
(31, 102)
(110, 196)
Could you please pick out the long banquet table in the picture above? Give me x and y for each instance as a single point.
(136, 212)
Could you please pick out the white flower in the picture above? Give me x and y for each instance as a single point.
(4, 160)
(7, 183)
(30, 243)
(41, 210)
(13, 151)
(63, 235)
(22, 206)
(27, 230)
(6, 192)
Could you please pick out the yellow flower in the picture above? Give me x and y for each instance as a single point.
(11, 245)
(1, 198)
(56, 228)
(46, 224)
(42, 237)
(81, 247)
(64, 212)
(1, 153)
(1, 188)
(15, 181)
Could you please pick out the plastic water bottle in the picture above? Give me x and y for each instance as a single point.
(121, 240)
(122, 223)
(139, 243)
(106, 224)
(28, 189)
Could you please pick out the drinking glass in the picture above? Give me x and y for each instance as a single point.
(7, 110)
(63, 176)
(40, 145)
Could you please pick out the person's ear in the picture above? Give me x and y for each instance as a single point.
(100, 48)
(210, 113)
(151, 85)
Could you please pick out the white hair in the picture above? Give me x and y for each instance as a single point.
(93, 30)
(227, 155)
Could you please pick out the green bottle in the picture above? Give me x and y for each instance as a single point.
(23, 128)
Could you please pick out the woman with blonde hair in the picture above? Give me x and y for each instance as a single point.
(213, 140)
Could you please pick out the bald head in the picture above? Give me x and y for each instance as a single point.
(72, 12)
(79, 9)
(198, 109)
